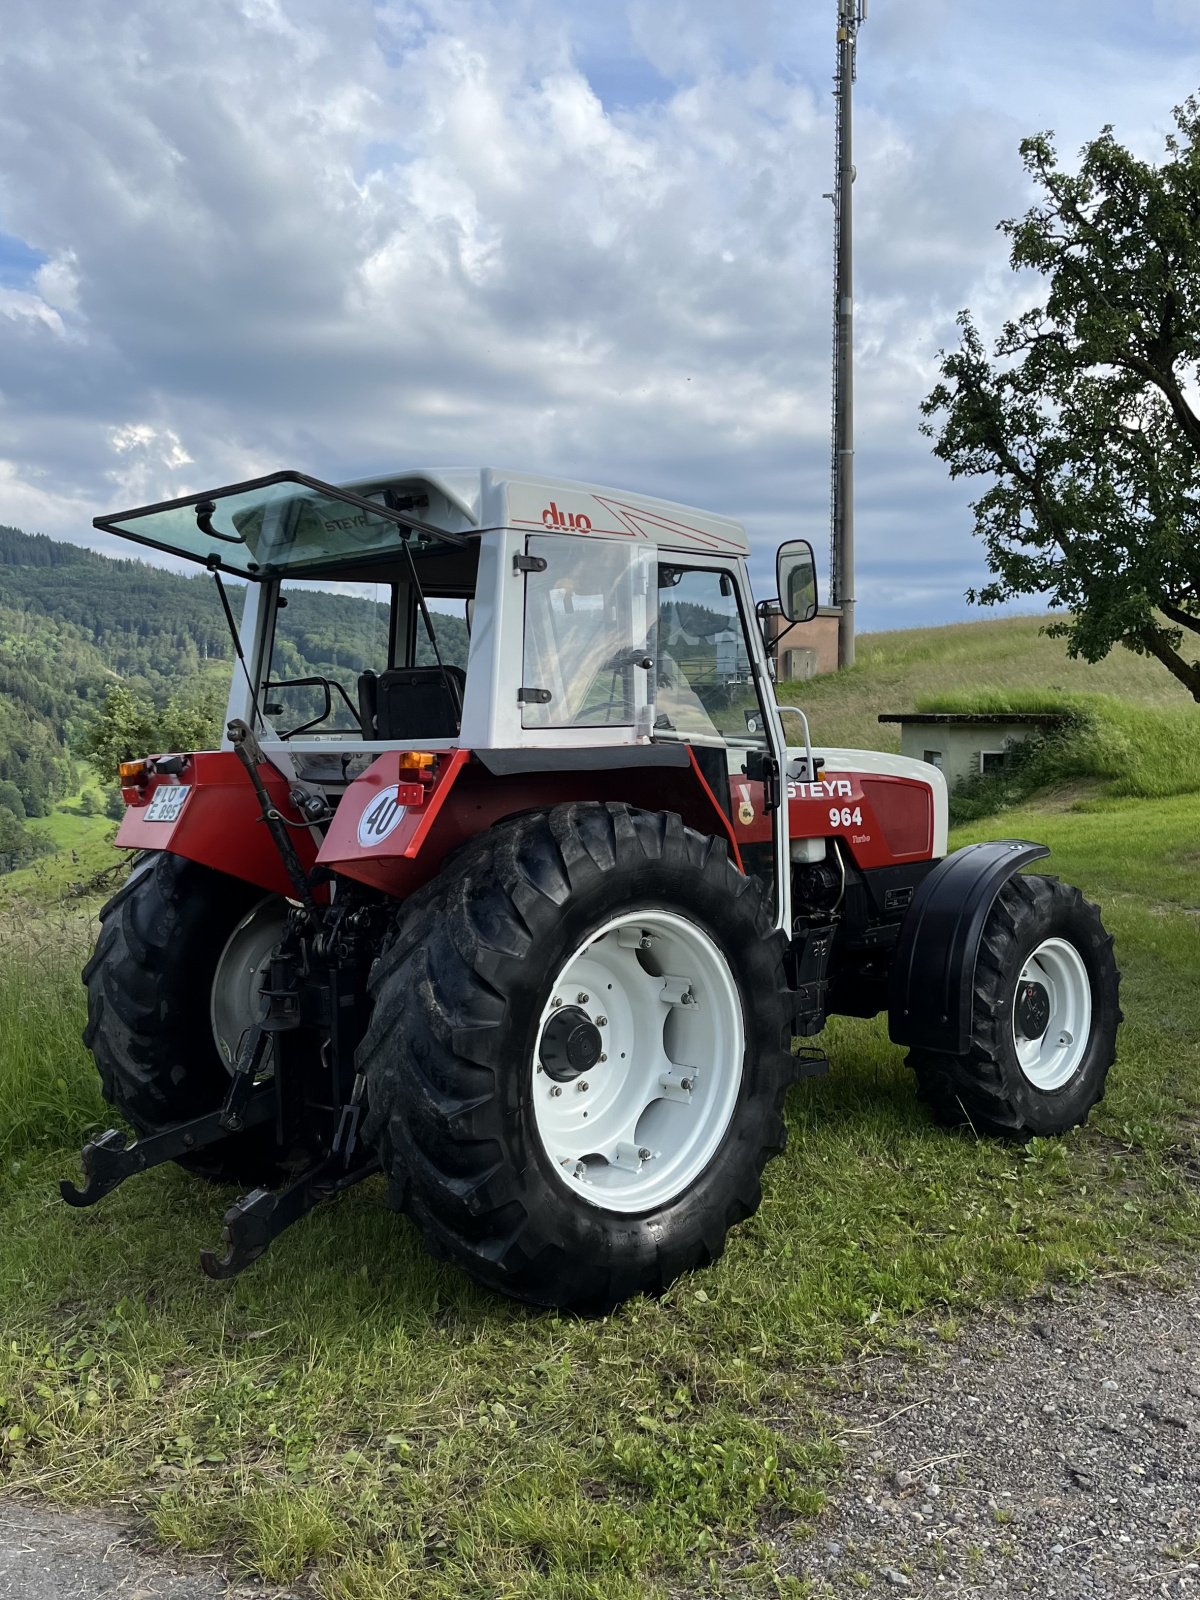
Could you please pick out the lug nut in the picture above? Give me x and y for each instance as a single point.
(602, 1022)
(603, 1057)
(581, 998)
(556, 1091)
(555, 1002)
(581, 1086)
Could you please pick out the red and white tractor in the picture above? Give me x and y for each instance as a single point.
(534, 926)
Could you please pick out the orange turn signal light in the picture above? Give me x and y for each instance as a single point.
(131, 771)
(420, 763)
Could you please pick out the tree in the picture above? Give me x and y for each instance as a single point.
(19, 844)
(1085, 415)
(128, 726)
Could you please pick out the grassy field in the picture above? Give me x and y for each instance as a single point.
(82, 848)
(350, 1407)
(68, 871)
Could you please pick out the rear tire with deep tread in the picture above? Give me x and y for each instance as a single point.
(986, 1088)
(458, 996)
(149, 985)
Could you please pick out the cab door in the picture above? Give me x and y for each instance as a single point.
(713, 691)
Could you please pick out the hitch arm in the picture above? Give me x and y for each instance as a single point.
(108, 1160)
(252, 1222)
(249, 752)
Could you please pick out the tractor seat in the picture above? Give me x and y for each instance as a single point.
(411, 703)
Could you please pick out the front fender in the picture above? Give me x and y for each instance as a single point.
(933, 968)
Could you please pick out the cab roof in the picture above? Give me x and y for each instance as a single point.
(289, 524)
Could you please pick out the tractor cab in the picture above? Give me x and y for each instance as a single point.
(538, 625)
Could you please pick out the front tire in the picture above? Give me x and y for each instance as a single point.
(156, 1010)
(671, 1011)
(1044, 1020)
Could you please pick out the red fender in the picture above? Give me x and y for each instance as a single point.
(393, 833)
(221, 824)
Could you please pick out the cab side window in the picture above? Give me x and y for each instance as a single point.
(705, 691)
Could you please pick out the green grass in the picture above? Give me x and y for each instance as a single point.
(1007, 655)
(353, 1407)
(82, 848)
(70, 829)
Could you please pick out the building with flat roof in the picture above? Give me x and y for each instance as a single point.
(964, 744)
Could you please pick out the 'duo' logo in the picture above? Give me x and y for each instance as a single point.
(552, 517)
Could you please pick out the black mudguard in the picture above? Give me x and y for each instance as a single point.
(933, 968)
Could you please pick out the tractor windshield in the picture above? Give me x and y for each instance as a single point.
(285, 525)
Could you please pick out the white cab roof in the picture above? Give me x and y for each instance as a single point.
(492, 498)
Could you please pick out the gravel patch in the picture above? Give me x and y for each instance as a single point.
(1055, 1452)
(50, 1554)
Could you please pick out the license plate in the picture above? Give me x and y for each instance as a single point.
(166, 803)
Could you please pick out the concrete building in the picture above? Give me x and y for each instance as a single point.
(805, 648)
(964, 744)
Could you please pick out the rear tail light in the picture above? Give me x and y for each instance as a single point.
(134, 776)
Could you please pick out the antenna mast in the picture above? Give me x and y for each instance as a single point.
(851, 15)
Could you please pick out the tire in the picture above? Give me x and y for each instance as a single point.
(150, 990)
(1018, 1078)
(467, 1063)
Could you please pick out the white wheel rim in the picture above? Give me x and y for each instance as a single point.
(655, 1108)
(1052, 1058)
(235, 1003)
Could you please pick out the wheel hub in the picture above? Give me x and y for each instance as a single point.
(571, 1044)
(1052, 1014)
(638, 1059)
(236, 1001)
(1033, 1009)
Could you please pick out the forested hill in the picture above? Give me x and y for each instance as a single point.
(74, 623)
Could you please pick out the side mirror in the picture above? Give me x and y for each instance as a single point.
(796, 572)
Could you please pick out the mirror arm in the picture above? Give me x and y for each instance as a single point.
(773, 644)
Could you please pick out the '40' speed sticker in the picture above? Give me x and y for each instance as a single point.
(383, 815)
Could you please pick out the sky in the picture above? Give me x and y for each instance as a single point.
(591, 241)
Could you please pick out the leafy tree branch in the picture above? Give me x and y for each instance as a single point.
(1084, 413)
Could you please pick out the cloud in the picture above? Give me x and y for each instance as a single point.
(16, 304)
(591, 241)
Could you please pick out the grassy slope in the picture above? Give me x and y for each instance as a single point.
(895, 670)
(350, 1404)
(82, 848)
